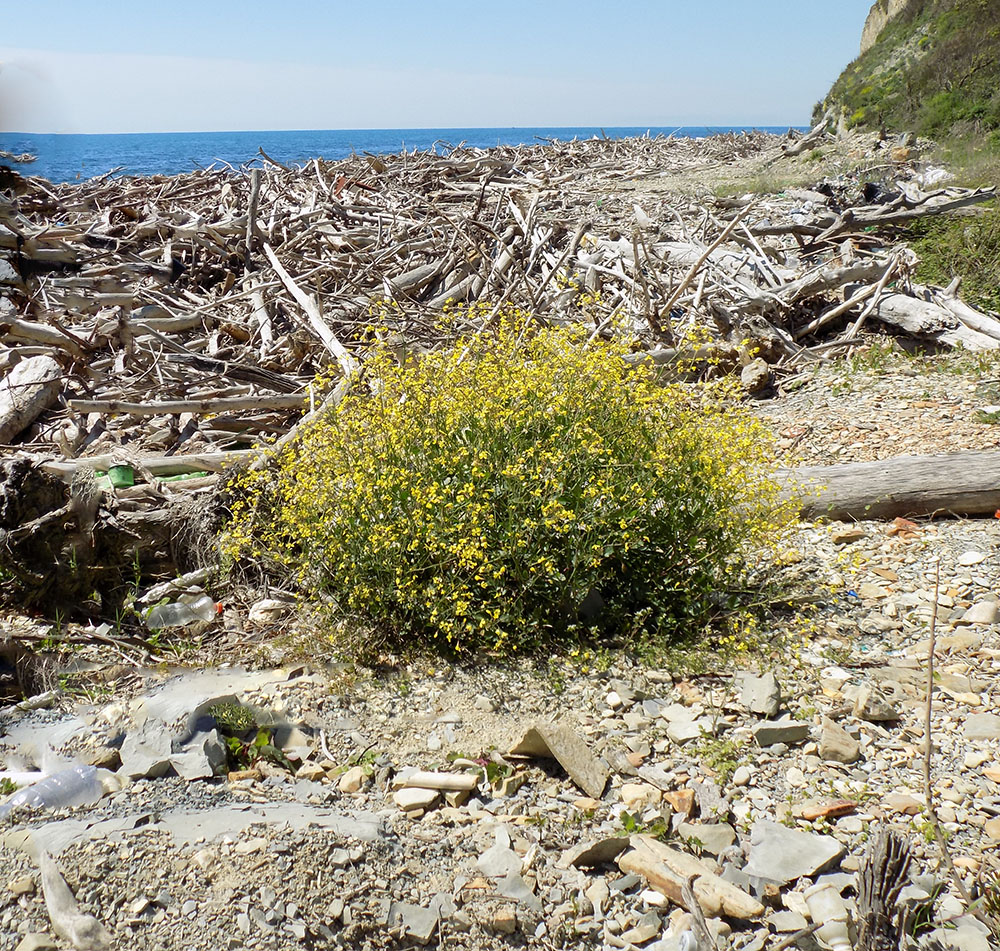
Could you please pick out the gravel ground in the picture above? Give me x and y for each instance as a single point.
(688, 759)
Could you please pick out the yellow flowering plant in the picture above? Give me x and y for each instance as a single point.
(526, 486)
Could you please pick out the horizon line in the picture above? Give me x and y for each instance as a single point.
(525, 128)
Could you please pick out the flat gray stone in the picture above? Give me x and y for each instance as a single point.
(762, 695)
(782, 855)
(203, 757)
(498, 861)
(412, 920)
(515, 887)
(785, 730)
(982, 726)
(715, 837)
(787, 922)
(559, 742)
(146, 751)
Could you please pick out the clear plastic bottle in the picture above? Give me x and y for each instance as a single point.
(182, 613)
(78, 785)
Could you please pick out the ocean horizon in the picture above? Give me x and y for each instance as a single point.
(65, 157)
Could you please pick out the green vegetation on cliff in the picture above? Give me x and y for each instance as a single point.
(934, 69)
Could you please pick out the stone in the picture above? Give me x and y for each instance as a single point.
(974, 759)
(755, 376)
(411, 920)
(637, 797)
(36, 941)
(969, 558)
(202, 757)
(785, 730)
(683, 731)
(504, 920)
(714, 837)
(786, 922)
(647, 928)
(742, 776)
(310, 771)
(499, 861)
(847, 535)
(982, 612)
(762, 695)
(992, 829)
(966, 938)
(836, 744)
(412, 798)
(598, 894)
(559, 742)
(484, 704)
(682, 800)
(147, 753)
(665, 868)
(982, 726)
(515, 887)
(872, 592)
(594, 853)
(351, 780)
(870, 706)
(22, 885)
(783, 855)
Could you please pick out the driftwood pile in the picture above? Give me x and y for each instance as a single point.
(175, 323)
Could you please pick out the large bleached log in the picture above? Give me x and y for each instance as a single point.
(25, 393)
(928, 319)
(961, 483)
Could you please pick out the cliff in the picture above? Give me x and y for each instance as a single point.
(931, 66)
(878, 19)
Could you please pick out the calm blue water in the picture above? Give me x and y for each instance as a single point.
(63, 158)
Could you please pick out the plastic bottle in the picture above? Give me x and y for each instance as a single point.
(182, 613)
(78, 785)
(828, 910)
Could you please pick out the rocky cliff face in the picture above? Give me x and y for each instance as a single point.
(931, 66)
(878, 18)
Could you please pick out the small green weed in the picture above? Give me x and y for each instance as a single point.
(7, 786)
(245, 753)
(633, 825)
(721, 756)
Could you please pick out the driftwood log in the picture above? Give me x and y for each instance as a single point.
(960, 483)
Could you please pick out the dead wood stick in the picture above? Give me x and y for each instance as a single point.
(969, 316)
(347, 363)
(834, 312)
(166, 407)
(14, 330)
(855, 328)
(156, 465)
(252, 216)
(696, 267)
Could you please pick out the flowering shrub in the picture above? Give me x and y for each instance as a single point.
(517, 490)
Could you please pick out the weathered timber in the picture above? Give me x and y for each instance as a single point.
(26, 392)
(961, 483)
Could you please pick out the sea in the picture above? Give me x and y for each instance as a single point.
(66, 157)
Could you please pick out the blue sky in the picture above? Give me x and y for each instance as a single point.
(203, 65)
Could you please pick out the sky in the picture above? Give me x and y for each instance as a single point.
(206, 65)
